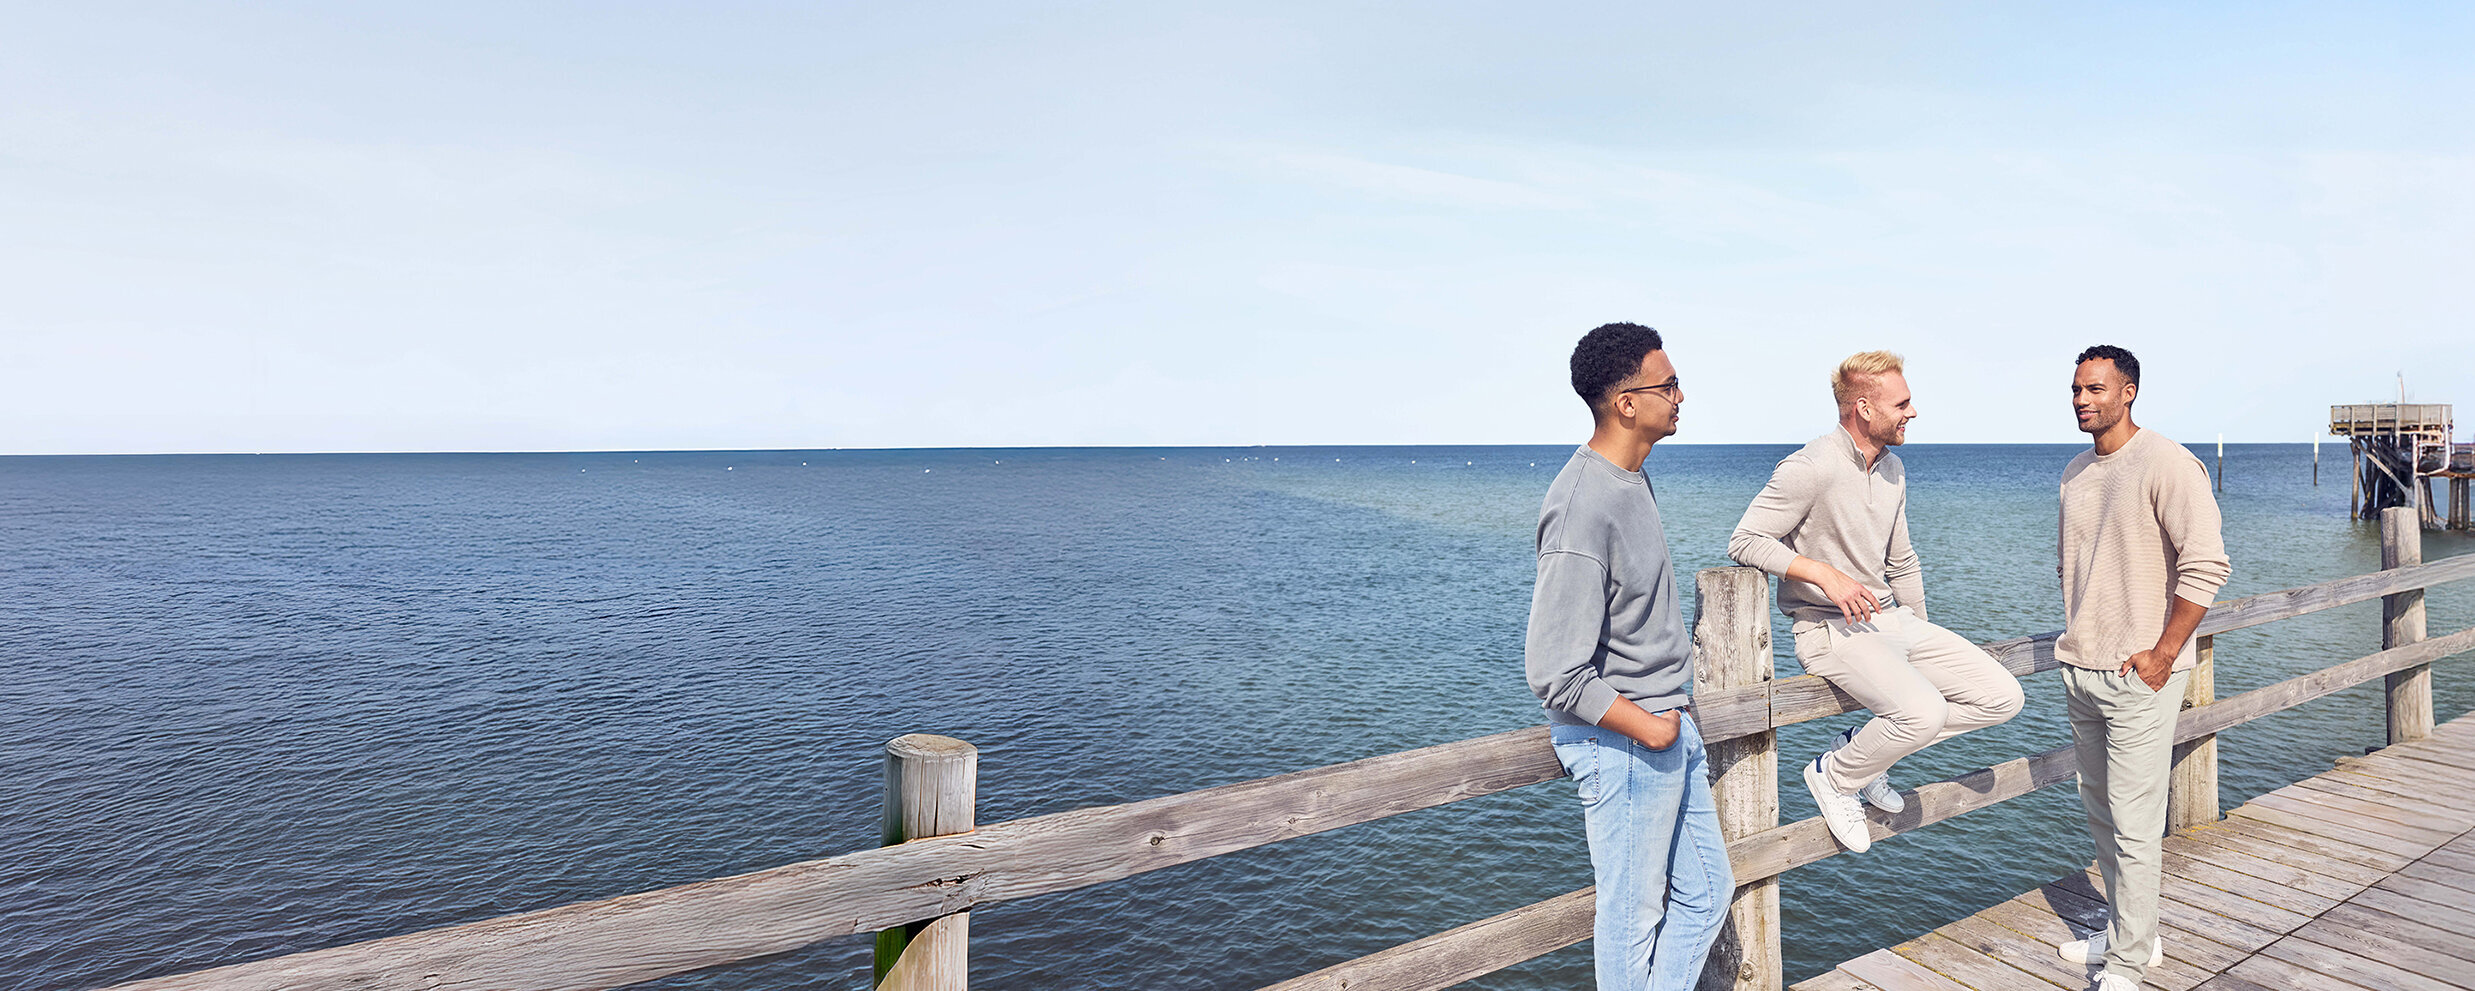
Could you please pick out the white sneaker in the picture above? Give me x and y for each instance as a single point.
(2091, 951)
(1841, 813)
(1879, 791)
(2112, 982)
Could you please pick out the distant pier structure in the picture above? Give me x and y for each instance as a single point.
(2400, 449)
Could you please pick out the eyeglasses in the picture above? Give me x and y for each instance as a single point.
(1671, 390)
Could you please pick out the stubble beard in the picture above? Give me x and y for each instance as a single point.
(1892, 436)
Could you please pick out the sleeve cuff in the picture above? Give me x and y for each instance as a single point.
(1772, 556)
(1596, 698)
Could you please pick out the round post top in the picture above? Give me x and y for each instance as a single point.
(929, 746)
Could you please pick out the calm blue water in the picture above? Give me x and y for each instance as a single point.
(267, 704)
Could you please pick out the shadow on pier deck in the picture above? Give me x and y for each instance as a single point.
(2362, 877)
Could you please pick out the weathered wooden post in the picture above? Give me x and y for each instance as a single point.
(1731, 648)
(931, 787)
(2191, 789)
(2354, 481)
(2410, 691)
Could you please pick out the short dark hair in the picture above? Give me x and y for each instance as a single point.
(1606, 356)
(2123, 361)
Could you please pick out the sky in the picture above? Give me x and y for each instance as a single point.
(606, 226)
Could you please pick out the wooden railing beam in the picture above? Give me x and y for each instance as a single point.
(639, 937)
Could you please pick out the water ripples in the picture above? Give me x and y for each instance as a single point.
(264, 705)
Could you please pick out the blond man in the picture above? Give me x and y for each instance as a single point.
(1833, 526)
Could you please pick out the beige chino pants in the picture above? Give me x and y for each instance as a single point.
(2122, 731)
(1925, 684)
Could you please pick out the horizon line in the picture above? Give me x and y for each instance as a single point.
(1020, 447)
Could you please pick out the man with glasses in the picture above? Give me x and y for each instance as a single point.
(1833, 526)
(1608, 656)
(2140, 558)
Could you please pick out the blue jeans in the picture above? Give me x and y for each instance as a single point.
(1663, 878)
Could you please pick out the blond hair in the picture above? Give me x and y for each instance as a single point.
(1859, 372)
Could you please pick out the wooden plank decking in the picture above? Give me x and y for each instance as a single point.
(2359, 878)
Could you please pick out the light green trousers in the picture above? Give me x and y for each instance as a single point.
(2123, 734)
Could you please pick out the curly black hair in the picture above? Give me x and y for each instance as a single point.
(1606, 356)
(2123, 361)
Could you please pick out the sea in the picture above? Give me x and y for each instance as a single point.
(257, 705)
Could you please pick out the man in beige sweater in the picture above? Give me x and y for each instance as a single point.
(2141, 559)
(1833, 525)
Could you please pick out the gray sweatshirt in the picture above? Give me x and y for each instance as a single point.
(1604, 617)
(1822, 503)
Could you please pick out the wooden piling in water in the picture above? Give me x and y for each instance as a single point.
(931, 789)
(1732, 649)
(2402, 623)
(2354, 480)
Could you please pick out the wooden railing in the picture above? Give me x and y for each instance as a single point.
(916, 891)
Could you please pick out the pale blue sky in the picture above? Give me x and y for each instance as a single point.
(456, 227)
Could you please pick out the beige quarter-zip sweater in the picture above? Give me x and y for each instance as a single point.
(2138, 525)
(1823, 503)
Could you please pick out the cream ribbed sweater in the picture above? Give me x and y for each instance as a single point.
(2138, 525)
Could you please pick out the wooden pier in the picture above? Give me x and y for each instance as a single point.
(2260, 897)
(2362, 877)
(2400, 449)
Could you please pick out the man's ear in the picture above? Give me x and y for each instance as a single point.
(2131, 392)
